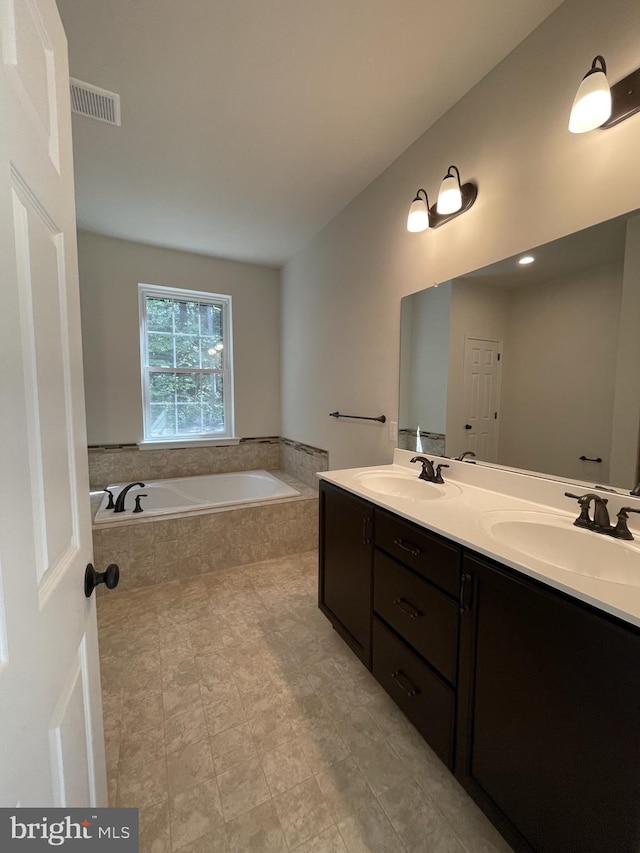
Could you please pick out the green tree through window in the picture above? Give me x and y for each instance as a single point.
(186, 364)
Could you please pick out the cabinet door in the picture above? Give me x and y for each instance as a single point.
(548, 733)
(346, 556)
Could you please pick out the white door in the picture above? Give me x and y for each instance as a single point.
(481, 397)
(51, 738)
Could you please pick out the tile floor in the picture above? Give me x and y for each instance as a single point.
(238, 720)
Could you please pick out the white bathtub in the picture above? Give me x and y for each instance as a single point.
(195, 493)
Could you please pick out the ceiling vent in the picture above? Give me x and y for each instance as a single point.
(90, 101)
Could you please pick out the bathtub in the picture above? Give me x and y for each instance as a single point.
(184, 494)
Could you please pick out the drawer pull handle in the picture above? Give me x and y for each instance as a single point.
(407, 608)
(464, 604)
(366, 539)
(407, 547)
(409, 688)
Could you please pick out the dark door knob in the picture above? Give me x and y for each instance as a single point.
(468, 426)
(92, 578)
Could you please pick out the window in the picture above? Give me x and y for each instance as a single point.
(185, 350)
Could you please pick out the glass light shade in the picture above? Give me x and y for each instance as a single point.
(449, 197)
(418, 219)
(592, 104)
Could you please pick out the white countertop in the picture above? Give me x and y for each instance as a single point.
(473, 491)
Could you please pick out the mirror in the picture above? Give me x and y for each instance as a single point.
(533, 367)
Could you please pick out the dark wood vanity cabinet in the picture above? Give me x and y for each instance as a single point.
(529, 696)
(548, 739)
(346, 565)
(415, 626)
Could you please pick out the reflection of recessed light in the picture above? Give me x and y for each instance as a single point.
(528, 259)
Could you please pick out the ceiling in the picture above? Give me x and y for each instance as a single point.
(247, 125)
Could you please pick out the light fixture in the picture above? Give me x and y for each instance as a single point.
(598, 105)
(450, 196)
(418, 219)
(592, 103)
(526, 259)
(453, 200)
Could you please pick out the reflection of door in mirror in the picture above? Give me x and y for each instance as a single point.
(481, 397)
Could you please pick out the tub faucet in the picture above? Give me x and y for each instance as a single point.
(120, 499)
(466, 453)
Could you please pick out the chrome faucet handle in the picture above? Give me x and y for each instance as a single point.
(621, 530)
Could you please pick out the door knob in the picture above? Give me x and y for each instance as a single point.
(109, 578)
(468, 426)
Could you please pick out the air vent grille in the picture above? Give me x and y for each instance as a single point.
(90, 101)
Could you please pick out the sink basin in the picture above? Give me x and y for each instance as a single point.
(555, 540)
(397, 484)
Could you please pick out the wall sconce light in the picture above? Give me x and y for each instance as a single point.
(597, 105)
(453, 199)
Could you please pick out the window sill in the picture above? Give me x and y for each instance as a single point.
(185, 443)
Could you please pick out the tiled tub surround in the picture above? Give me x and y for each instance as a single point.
(430, 442)
(237, 720)
(157, 549)
(126, 463)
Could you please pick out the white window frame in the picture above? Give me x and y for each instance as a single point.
(179, 294)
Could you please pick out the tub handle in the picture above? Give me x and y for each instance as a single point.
(92, 579)
(137, 507)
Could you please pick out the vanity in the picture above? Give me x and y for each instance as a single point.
(508, 636)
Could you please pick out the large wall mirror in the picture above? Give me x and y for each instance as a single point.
(533, 366)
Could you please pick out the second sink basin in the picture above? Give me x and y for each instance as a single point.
(404, 485)
(555, 540)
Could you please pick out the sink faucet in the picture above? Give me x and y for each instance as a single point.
(428, 472)
(466, 453)
(120, 499)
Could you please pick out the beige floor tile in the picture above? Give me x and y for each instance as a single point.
(177, 700)
(213, 842)
(344, 788)
(369, 831)
(256, 831)
(143, 784)
(188, 766)
(329, 841)
(303, 812)
(285, 767)
(194, 812)
(141, 711)
(142, 746)
(232, 747)
(185, 728)
(419, 825)
(223, 708)
(243, 788)
(261, 649)
(154, 829)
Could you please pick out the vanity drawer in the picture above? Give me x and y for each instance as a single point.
(421, 614)
(429, 556)
(426, 700)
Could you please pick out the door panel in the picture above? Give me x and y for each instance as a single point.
(481, 397)
(51, 738)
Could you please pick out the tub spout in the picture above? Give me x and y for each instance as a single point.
(120, 499)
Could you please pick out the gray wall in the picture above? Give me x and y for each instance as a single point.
(537, 182)
(110, 271)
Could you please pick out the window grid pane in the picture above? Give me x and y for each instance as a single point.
(187, 365)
